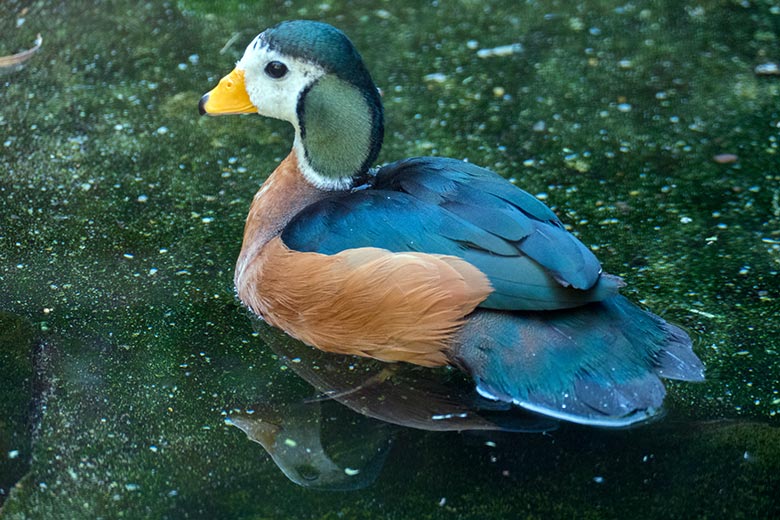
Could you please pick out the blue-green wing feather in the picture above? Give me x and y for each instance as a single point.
(598, 364)
(486, 199)
(449, 207)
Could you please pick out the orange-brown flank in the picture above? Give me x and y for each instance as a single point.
(366, 301)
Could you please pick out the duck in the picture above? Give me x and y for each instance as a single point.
(428, 260)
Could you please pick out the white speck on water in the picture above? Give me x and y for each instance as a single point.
(130, 486)
(501, 50)
(290, 442)
(686, 220)
(472, 44)
(153, 271)
(162, 130)
(624, 107)
(193, 58)
(129, 256)
(118, 127)
(768, 69)
(598, 479)
(207, 220)
(351, 472)
(142, 198)
(13, 454)
(435, 77)
(440, 417)
(442, 501)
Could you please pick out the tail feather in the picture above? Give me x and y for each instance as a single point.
(677, 360)
(598, 364)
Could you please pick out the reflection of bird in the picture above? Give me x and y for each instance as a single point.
(401, 394)
(428, 260)
(292, 434)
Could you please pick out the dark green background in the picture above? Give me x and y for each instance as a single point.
(121, 214)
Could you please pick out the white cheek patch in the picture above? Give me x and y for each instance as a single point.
(277, 98)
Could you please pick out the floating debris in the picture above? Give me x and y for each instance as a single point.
(16, 60)
(235, 36)
(725, 158)
(435, 77)
(768, 69)
(503, 50)
(703, 313)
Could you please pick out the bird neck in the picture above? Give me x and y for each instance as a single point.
(283, 195)
(339, 132)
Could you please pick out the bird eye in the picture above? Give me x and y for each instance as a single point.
(276, 69)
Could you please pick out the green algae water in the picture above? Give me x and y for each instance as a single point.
(134, 385)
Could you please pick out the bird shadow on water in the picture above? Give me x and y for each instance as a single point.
(338, 436)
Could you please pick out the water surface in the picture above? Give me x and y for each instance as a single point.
(123, 349)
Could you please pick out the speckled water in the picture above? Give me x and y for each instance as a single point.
(128, 369)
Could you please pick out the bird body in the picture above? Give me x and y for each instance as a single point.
(431, 261)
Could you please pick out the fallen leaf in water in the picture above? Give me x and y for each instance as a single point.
(20, 57)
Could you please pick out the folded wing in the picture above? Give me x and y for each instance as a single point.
(449, 207)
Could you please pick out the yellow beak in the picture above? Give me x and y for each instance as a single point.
(228, 97)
